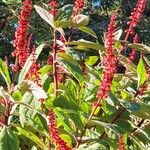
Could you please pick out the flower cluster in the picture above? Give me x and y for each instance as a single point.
(109, 62)
(78, 7)
(54, 4)
(60, 144)
(21, 51)
(121, 144)
(135, 17)
(33, 73)
(133, 53)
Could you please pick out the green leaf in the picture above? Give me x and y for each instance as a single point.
(10, 2)
(45, 15)
(25, 112)
(81, 20)
(71, 65)
(67, 139)
(106, 125)
(65, 24)
(77, 120)
(28, 63)
(33, 88)
(64, 119)
(141, 72)
(87, 45)
(30, 135)
(92, 60)
(65, 103)
(88, 31)
(140, 47)
(4, 72)
(8, 140)
(45, 70)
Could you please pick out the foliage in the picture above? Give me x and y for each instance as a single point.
(61, 108)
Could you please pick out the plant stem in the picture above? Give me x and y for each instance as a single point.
(86, 124)
(55, 63)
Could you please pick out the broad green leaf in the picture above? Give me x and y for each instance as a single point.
(140, 47)
(30, 135)
(71, 65)
(65, 103)
(25, 112)
(65, 12)
(92, 60)
(88, 31)
(67, 139)
(10, 2)
(106, 125)
(45, 15)
(28, 63)
(64, 119)
(30, 86)
(87, 45)
(141, 72)
(8, 140)
(4, 72)
(81, 20)
(45, 70)
(77, 120)
(65, 24)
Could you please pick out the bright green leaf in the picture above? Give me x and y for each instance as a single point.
(8, 140)
(141, 71)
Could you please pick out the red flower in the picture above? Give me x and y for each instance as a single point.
(33, 73)
(121, 144)
(135, 17)
(54, 4)
(21, 51)
(133, 53)
(60, 144)
(109, 62)
(78, 7)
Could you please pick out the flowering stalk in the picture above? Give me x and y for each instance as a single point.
(21, 51)
(78, 7)
(54, 4)
(33, 72)
(121, 143)
(135, 17)
(133, 53)
(110, 62)
(60, 144)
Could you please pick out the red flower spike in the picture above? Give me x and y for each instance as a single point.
(54, 4)
(21, 51)
(33, 73)
(121, 143)
(143, 89)
(78, 7)
(135, 17)
(60, 144)
(133, 53)
(109, 62)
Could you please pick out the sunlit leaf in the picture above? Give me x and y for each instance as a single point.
(8, 140)
(141, 71)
